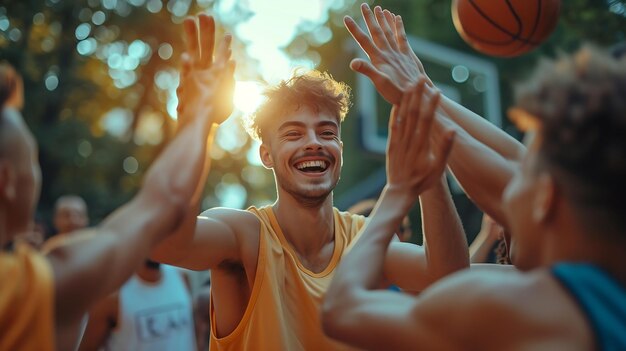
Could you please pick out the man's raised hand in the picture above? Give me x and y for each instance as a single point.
(206, 83)
(415, 161)
(393, 66)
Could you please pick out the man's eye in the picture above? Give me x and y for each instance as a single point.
(328, 133)
(292, 134)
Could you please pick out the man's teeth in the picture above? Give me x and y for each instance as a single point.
(308, 164)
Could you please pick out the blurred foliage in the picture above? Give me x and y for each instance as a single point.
(99, 80)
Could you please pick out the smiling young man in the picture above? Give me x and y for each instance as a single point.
(271, 265)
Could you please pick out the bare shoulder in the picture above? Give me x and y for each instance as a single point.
(507, 309)
(244, 225)
(238, 220)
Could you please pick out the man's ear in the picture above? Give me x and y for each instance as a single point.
(546, 198)
(7, 181)
(266, 156)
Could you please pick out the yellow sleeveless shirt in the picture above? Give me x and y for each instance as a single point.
(283, 312)
(26, 301)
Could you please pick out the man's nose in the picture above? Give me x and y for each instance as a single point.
(313, 142)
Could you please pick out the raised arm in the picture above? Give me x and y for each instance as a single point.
(414, 164)
(445, 245)
(96, 263)
(393, 66)
(414, 268)
(484, 156)
(205, 241)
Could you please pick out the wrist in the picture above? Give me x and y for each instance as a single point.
(399, 197)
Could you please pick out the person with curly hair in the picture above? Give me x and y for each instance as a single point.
(271, 266)
(562, 204)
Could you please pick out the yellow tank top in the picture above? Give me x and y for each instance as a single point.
(26, 301)
(283, 312)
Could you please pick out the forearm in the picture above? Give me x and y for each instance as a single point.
(123, 241)
(482, 130)
(481, 247)
(178, 175)
(192, 169)
(362, 267)
(445, 243)
(482, 173)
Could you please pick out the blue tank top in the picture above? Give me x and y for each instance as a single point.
(602, 300)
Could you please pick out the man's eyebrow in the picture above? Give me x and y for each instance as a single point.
(290, 124)
(328, 123)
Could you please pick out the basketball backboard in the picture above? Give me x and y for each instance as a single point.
(465, 78)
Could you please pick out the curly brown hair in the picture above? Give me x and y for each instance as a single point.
(313, 89)
(580, 104)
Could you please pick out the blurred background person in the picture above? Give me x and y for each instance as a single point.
(150, 312)
(37, 235)
(489, 245)
(70, 214)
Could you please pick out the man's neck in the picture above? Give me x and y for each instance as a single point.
(149, 274)
(308, 229)
(7, 233)
(579, 246)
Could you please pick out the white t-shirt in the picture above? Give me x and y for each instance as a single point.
(154, 316)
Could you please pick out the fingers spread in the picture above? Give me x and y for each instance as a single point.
(372, 25)
(364, 41)
(401, 38)
(207, 39)
(386, 28)
(191, 38)
(223, 51)
(390, 18)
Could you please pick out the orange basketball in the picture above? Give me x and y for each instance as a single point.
(505, 27)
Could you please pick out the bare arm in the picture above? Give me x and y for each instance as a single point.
(484, 156)
(394, 66)
(204, 241)
(444, 237)
(482, 172)
(445, 247)
(483, 130)
(437, 319)
(362, 268)
(482, 245)
(102, 320)
(103, 259)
